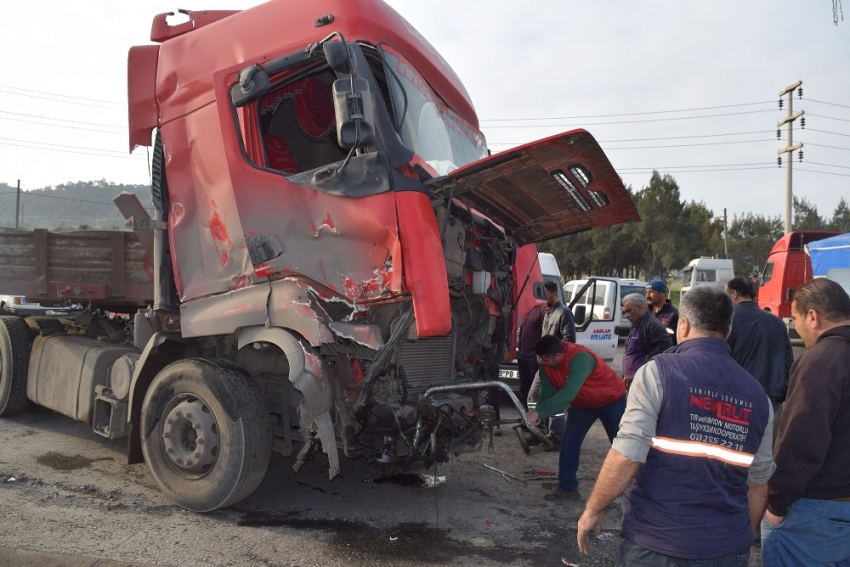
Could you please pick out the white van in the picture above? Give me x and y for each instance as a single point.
(605, 296)
(707, 271)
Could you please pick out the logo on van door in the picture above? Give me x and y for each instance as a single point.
(601, 335)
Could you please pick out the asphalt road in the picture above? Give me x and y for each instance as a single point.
(67, 497)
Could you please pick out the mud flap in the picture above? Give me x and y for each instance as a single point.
(325, 425)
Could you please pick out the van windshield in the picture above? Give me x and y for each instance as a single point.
(688, 276)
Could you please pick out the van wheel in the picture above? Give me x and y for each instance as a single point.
(15, 347)
(206, 434)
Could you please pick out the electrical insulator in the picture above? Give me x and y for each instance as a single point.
(780, 104)
(778, 134)
(800, 92)
(779, 161)
(803, 122)
(800, 155)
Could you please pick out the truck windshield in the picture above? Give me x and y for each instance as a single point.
(443, 139)
(687, 277)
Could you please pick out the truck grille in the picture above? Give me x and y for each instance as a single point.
(428, 362)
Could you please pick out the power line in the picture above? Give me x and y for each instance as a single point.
(58, 197)
(631, 121)
(824, 172)
(700, 170)
(825, 146)
(62, 146)
(60, 119)
(62, 95)
(689, 145)
(829, 103)
(828, 132)
(69, 151)
(63, 101)
(64, 126)
(829, 117)
(695, 166)
(653, 139)
(827, 164)
(624, 114)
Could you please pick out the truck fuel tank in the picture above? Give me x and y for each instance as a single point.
(64, 371)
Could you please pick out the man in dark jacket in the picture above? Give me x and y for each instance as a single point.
(808, 507)
(558, 319)
(656, 297)
(647, 338)
(759, 342)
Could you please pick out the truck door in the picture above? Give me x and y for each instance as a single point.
(595, 318)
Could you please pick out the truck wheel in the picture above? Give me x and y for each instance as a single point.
(206, 434)
(15, 347)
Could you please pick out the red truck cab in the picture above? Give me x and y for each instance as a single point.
(786, 268)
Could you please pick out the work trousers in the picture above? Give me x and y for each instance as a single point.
(633, 555)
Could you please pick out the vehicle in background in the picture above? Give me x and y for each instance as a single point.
(707, 271)
(333, 255)
(594, 321)
(18, 305)
(830, 259)
(787, 268)
(607, 299)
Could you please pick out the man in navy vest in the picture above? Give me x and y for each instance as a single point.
(694, 451)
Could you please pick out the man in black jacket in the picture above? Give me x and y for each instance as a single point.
(808, 505)
(647, 338)
(759, 342)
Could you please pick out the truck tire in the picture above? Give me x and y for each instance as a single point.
(15, 347)
(206, 434)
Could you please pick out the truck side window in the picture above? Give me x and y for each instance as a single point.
(768, 272)
(706, 275)
(293, 128)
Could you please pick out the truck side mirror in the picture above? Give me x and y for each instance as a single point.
(580, 314)
(355, 122)
(337, 55)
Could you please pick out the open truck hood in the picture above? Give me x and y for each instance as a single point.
(545, 189)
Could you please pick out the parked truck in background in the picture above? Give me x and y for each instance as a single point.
(707, 270)
(333, 254)
(787, 267)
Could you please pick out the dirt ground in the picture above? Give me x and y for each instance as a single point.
(64, 489)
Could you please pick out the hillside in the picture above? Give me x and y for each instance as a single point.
(70, 205)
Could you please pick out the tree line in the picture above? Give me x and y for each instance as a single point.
(673, 232)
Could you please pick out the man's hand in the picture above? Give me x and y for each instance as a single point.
(534, 417)
(589, 521)
(773, 519)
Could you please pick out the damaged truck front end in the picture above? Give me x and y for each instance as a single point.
(331, 228)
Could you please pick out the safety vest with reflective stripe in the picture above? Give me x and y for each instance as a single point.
(689, 500)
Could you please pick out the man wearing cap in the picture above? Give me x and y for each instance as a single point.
(656, 297)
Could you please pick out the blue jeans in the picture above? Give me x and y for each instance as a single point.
(814, 533)
(633, 555)
(579, 422)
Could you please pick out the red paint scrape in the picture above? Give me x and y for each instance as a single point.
(240, 283)
(220, 237)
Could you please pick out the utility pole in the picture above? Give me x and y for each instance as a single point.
(789, 149)
(725, 235)
(18, 206)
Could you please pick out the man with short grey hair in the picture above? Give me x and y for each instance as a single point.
(693, 453)
(647, 338)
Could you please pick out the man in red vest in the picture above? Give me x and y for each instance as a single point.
(573, 375)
